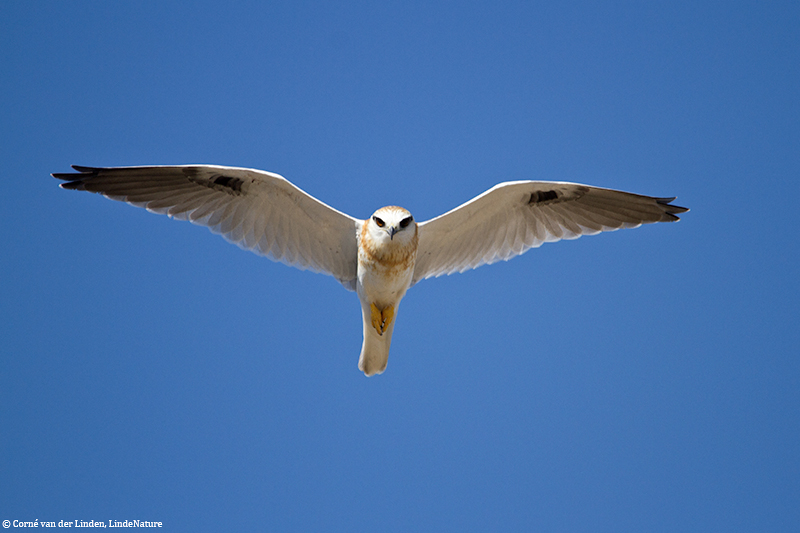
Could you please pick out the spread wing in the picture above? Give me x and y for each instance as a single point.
(510, 218)
(256, 210)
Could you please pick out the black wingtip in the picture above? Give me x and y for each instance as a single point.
(75, 180)
(72, 185)
(71, 175)
(84, 170)
(671, 211)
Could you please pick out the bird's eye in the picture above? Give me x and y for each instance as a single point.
(405, 222)
(379, 222)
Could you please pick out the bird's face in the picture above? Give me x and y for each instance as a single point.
(392, 225)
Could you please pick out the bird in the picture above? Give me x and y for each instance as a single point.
(380, 257)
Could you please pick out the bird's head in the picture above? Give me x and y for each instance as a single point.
(392, 225)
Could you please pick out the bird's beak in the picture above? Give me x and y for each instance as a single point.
(392, 231)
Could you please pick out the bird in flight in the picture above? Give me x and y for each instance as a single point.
(381, 257)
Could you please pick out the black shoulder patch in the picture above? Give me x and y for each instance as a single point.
(226, 184)
(540, 197)
(234, 184)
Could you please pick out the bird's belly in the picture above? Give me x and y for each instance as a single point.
(383, 286)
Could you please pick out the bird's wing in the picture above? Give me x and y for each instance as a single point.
(256, 210)
(510, 218)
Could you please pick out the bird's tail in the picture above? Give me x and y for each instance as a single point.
(375, 350)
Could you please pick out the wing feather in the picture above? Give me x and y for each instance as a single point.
(510, 218)
(583, 218)
(256, 210)
(202, 214)
(250, 238)
(188, 205)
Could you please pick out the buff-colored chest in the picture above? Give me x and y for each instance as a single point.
(385, 269)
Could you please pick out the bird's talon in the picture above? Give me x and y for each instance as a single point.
(381, 319)
(387, 315)
(377, 320)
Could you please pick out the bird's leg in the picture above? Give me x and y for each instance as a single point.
(381, 318)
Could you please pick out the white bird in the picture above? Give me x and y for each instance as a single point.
(383, 256)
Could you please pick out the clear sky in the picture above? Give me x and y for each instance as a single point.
(641, 380)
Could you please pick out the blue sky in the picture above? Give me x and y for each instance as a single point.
(642, 380)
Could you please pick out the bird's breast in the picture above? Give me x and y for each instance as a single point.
(385, 272)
